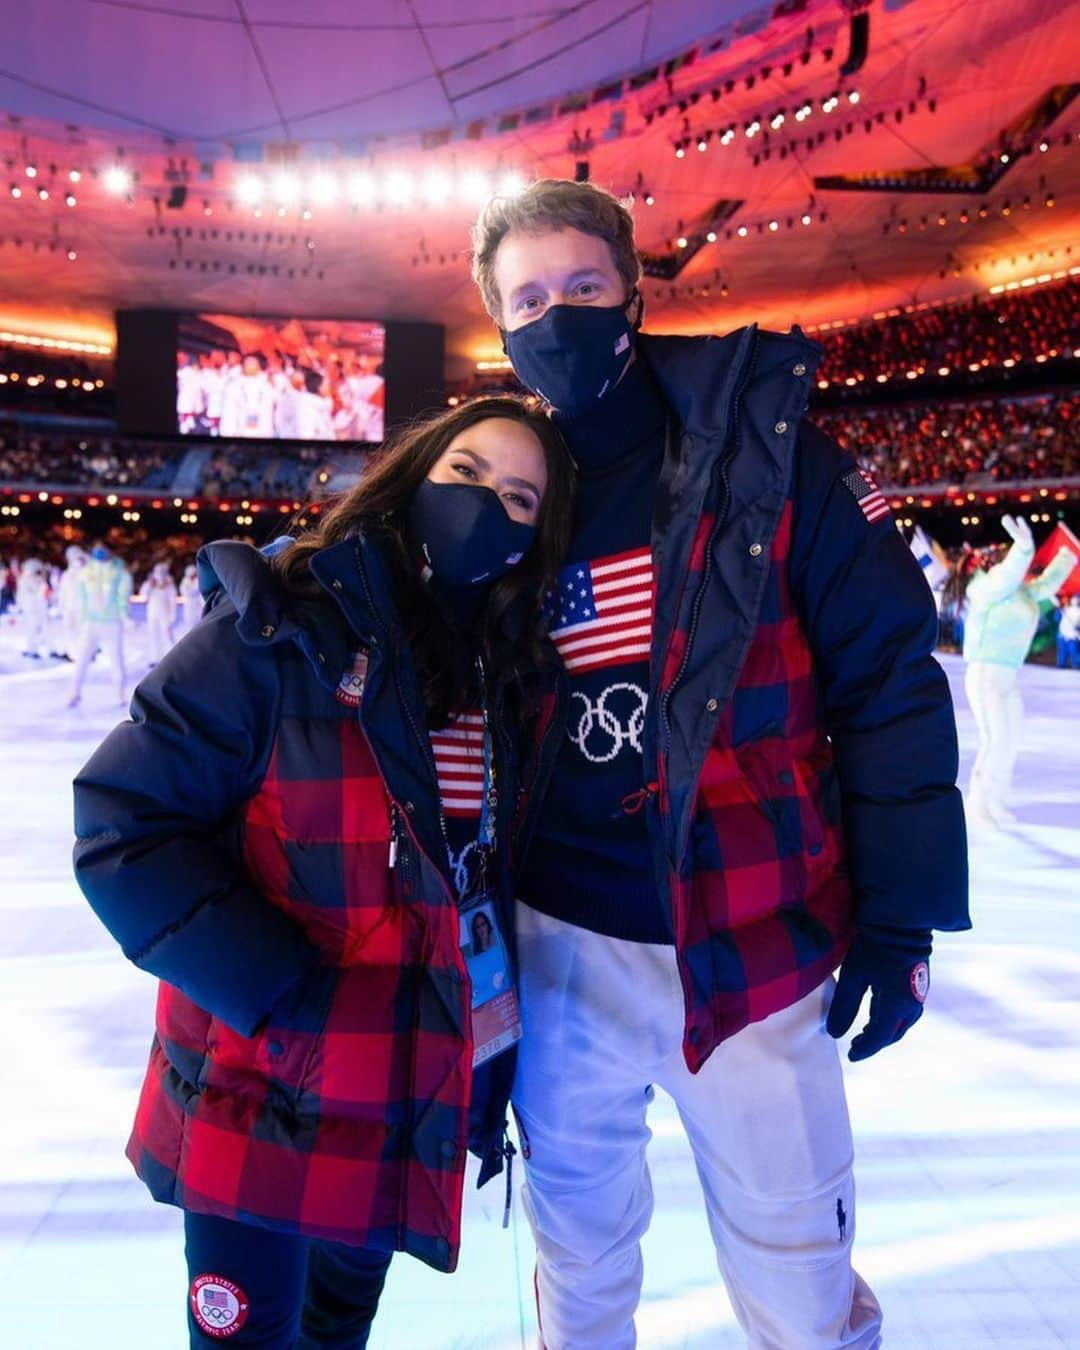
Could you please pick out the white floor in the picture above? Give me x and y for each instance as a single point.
(968, 1133)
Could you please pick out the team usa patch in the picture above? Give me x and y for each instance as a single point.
(350, 689)
(920, 981)
(219, 1307)
(867, 493)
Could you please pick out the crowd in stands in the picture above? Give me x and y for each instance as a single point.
(981, 441)
(1017, 326)
(84, 461)
(242, 471)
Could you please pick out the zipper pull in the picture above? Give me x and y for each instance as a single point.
(508, 1153)
(634, 802)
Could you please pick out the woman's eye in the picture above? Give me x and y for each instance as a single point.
(466, 470)
(587, 288)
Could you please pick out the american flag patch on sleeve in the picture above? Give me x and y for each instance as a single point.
(867, 493)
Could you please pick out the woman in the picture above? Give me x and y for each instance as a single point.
(271, 834)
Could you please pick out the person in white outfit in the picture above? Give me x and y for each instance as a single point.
(191, 600)
(104, 587)
(70, 601)
(189, 394)
(32, 598)
(248, 402)
(1002, 616)
(159, 592)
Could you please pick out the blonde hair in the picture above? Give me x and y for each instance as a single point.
(552, 204)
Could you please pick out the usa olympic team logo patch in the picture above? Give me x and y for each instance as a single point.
(350, 689)
(220, 1308)
(920, 981)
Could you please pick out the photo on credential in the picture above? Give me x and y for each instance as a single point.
(484, 954)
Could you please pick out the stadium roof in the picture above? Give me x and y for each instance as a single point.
(371, 131)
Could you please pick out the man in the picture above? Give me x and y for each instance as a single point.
(750, 781)
(247, 407)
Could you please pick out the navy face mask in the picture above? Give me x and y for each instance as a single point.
(465, 534)
(573, 354)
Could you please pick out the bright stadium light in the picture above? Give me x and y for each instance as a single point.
(286, 189)
(398, 188)
(323, 190)
(117, 180)
(475, 186)
(510, 184)
(437, 187)
(361, 189)
(249, 190)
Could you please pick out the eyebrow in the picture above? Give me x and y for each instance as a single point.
(571, 280)
(482, 463)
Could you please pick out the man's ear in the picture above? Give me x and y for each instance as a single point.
(636, 294)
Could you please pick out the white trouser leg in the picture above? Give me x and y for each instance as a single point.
(87, 650)
(1012, 720)
(586, 1058)
(112, 642)
(973, 687)
(158, 634)
(107, 637)
(35, 624)
(767, 1120)
(994, 694)
(73, 632)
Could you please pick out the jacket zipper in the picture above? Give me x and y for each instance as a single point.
(396, 815)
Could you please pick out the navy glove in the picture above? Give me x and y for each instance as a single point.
(893, 963)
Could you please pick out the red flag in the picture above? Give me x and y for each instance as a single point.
(1058, 538)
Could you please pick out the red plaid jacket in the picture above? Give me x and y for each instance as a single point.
(311, 1069)
(800, 747)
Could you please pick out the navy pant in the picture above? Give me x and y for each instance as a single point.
(250, 1286)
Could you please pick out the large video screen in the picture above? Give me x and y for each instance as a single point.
(293, 379)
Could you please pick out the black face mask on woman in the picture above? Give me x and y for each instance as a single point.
(574, 354)
(465, 534)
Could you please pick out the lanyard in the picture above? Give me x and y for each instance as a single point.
(489, 799)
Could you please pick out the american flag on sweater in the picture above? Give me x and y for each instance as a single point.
(867, 493)
(459, 761)
(604, 611)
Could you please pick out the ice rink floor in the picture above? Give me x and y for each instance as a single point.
(967, 1133)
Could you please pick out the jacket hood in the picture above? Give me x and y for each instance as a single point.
(267, 613)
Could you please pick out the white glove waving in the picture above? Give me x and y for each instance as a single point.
(1017, 528)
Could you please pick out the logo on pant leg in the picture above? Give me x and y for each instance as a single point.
(220, 1308)
(841, 1219)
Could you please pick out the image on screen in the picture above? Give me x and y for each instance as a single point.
(293, 379)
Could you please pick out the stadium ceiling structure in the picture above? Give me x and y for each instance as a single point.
(809, 161)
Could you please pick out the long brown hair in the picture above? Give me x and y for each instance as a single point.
(512, 627)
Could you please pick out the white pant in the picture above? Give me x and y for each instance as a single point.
(159, 635)
(766, 1118)
(97, 637)
(73, 626)
(35, 617)
(994, 694)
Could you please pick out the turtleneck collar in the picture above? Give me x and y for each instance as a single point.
(618, 424)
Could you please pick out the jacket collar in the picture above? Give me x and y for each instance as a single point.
(692, 371)
(327, 629)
